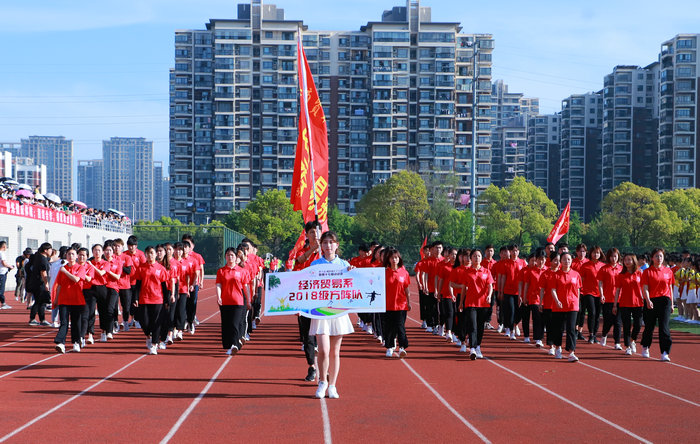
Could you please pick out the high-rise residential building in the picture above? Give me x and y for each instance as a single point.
(679, 80)
(160, 191)
(23, 170)
(581, 153)
(630, 127)
(91, 183)
(13, 148)
(128, 176)
(543, 153)
(510, 115)
(398, 94)
(56, 152)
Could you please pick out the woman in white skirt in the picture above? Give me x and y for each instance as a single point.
(329, 332)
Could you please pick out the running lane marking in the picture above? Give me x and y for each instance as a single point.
(326, 422)
(25, 339)
(29, 365)
(658, 359)
(446, 404)
(194, 403)
(69, 400)
(571, 403)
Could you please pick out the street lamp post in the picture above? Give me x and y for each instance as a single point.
(472, 192)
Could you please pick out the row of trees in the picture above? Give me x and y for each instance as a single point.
(404, 210)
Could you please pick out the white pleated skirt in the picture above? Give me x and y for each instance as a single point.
(332, 327)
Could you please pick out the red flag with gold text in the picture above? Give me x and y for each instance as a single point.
(561, 227)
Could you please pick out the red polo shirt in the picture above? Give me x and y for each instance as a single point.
(232, 281)
(568, 285)
(151, 277)
(659, 280)
(630, 285)
(397, 281)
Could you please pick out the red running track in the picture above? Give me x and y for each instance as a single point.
(114, 392)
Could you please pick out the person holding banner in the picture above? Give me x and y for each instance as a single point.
(397, 303)
(329, 332)
(310, 254)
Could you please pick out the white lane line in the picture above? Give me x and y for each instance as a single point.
(571, 403)
(25, 339)
(640, 384)
(446, 404)
(194, 403)
(29, 365)
(326, 422)
(658, 359)
(69, 400)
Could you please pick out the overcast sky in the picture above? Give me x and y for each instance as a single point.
(90, 70)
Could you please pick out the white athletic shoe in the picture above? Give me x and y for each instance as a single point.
(538, 343)
(441, 330)
(192, 329)
(513, 337)
(429, 329)
(370, 330)
(389, 352)
(633, 346)
(572, 357)
(517, 331)
(557, 354)
(149, 343)
(463, 348)
(552, 351)
(333, 392)
(618, 346)
(628, 351)
(526, 340)
(110, 336)
(253, 326)
(645, 352)
(665, 357)
(169, 339)
(179, 335)
(402, 353)
(247, 337)
(90, 339)
(76, 347)
(82, 342)
(472, 354)
(478, 352)
(423, 325)
(321, 390)
(60, 348)
(153, 350)
(457, 341)
(506, 331)
(603, 341)
(161, 345)
(380, 339)
(103, 337)
(500, 328)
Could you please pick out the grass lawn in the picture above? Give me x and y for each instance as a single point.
(682, 326)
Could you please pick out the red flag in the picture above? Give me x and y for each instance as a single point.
(561, 227)
(310, 179)
(425, 242)
(298, 246)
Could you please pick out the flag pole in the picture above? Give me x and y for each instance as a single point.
(301, 57)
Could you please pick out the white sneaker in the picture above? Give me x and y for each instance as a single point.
(196, 320)
(380, 339)
(60, 348)
(457, 341)
(628, 351)
(603, 341)
(153, 350)
(389, 352)
(429, 329)
(370, 330)
(233, 350)
(253, 326)
(192, 329)
(6, 307)
(333, 392)
(572, 357)
(633, 346)
(56, 324)
(441, 330)
(161, 345)
(402, 353)
(360, 323)
(449, 337)
(538, 343)
(103, 337)
(478, 353)
(526, 340)
(82, 342)
(500, 328)
(321, 390)
(488, 326)
(645, 352)
(149, 343)
(557, 354)
(513, 337)
(517, 331)
(247, 337)
(618, 347)
(552, 351)
(423, 325)
(76, 347)
(110, 336)
(179, 335)
(91, 339)
(463, 348)
(472, 354)
(665, 357)
(506, 331)
(169, 339)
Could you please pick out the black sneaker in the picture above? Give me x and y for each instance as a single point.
(311, 375)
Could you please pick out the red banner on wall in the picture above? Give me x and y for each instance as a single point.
(36, 212)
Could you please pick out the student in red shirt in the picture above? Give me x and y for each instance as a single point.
(531, 299)
(477, 283)
(71, 302)
(629, 302)
(590, 294)
(566, 294)
(95, 293)
(398, 303)
(152, 275)
(488, 262)
(125, 295)
(137, 258)
(170, 296)
(503, 254)
(606, 287)
(657, 287)
(508, 286)
(195, 276)
(447, 299)
(233, 297)
(184, 269)
(108, 306)
(430, 273)
(422, 289)
(547, 282)
(581, 251)
(460, 266)
(87, 295)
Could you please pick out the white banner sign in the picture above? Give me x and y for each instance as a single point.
(325, 291)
